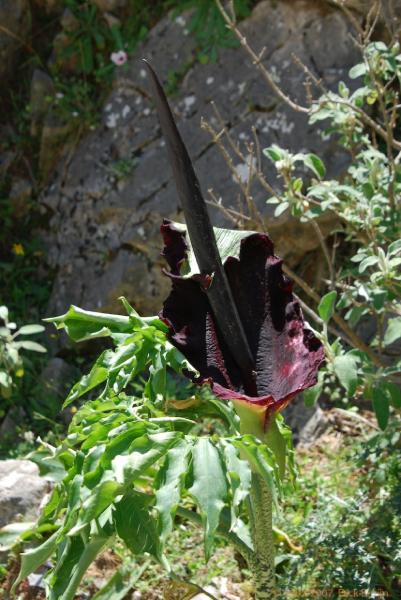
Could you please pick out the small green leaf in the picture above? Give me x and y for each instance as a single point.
(28, 345)
(170, 481)
(100, 498)
(135, 525)
(262, 459)
(281, 208)
(326, 306)
(343, 90)
(394, 393)
(121, 583)
(239, 474)
(274, 152)
(30, 329)
(76, 556)
(368, 262)
(97, 375)
(394, 247)
(393, 331)
(12, 533)
(357, 71)
(311, 396)
(32, 559)
(81, 325)
(315, 164)
(346, 369)
(143, 452)
(209, 487)
(381, 406)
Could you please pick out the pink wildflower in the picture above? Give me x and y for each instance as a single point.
(119, 58)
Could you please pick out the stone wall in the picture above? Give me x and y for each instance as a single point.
(109, 196)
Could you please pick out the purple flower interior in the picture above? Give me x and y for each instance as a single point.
(287, 355)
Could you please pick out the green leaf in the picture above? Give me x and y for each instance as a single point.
(209, 487)
(394, 393)
(170, 481)
(228, 243)
(97, 375)
(262, 460)
(367, 262)
(343, 90)
(311, 395)
(326, 306)
(357, 71)
(144, 451)
(346, 369)
(28, 345)
(120, 584)
(394, 247)
(32, 559)
(393, 331)
(135, 524)
(381, 406)
(12, 532)
(100, 498)
(316, 165)
(239, 474)
(281, 208)
(82, 324)
(274, 152)
(75, 557)
(30, 329)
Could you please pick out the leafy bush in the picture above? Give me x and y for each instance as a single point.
(347, 515)
(365, 200)
(11, 362)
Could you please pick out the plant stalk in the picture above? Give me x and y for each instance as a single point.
(262, 561)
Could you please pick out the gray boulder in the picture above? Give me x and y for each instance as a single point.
(21, 491)
(107, 202)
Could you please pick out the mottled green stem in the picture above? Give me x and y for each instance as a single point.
(262, 563)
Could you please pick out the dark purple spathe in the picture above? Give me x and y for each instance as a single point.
(286, 355)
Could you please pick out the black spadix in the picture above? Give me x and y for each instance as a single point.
(200, 230)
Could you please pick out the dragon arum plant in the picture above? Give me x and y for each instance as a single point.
(136, 456)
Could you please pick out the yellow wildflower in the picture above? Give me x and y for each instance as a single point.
(18, 249)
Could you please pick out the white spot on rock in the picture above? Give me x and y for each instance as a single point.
(188, 102)
(181, 21)
(209, 80)
(243, 169)
(279, 123)
(126, 110)
(111, 120)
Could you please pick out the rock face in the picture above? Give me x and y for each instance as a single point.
(56, 380)
(107, 202)
(21, 490)
(15, 26)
